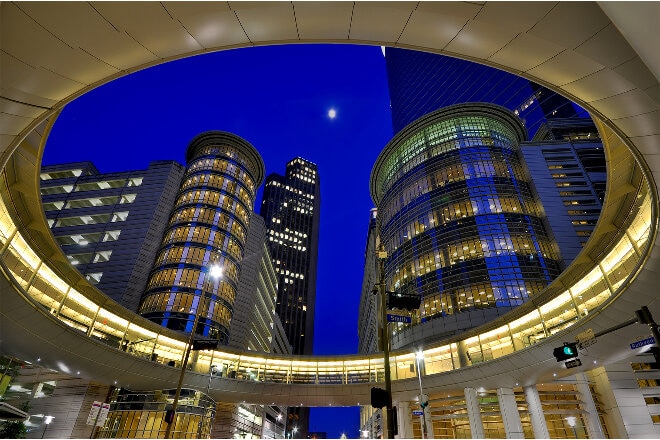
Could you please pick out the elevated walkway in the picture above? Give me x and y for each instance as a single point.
(49, 314)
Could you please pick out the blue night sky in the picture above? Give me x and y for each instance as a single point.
(278, 99)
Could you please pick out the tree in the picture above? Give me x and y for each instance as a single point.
(14, 428)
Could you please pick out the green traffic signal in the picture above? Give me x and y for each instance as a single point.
(568, 351)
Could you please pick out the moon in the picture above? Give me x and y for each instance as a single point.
(332, 113)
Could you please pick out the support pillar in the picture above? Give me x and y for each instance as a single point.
(474, 413)
(429, 423)
(536, 416)
(462, 355)
(594, 428)
(403, 417)
(510, 415)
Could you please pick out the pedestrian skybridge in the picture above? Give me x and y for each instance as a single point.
(52, 316)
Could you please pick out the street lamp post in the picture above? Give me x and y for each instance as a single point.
(385, 338)
(215, 272)
(420, 355)
(47, 421)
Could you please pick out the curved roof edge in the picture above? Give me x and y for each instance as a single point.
(486, 109)
(224, 137)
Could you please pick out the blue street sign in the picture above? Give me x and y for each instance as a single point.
(399, 318)
(643, 342)
(417, 412)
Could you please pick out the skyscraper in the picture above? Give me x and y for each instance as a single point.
(567, 162)
(207, 229)
(458, 218)
(109, 224)
(421, 82)
(291, 208)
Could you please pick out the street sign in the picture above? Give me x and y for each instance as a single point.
(417, 412)
(98, 413)
(105, 409)
(399, 318)
(96, 407)
(585, 339)
(637, 344)
(573, 363)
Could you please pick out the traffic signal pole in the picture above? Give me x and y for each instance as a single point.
(385, 339)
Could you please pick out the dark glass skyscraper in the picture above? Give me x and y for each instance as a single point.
(421, 82)
(291, 208)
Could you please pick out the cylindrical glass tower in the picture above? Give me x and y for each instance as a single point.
(456, 214)
(207, 230)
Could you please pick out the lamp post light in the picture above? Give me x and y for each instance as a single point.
(214, 271)
(47, 422)
(422, 398)
(571, 422)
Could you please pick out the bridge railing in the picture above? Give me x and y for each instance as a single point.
(560, 306)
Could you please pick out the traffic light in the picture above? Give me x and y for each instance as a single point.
(378, 397)
(423, 401)
(404, 301)
(567, 351)
(644, 316)
(169, 416)
(205, 344)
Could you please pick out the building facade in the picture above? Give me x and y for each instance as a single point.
(255, 326)
(422, 82)
(207, 228)
(458, 219)
(368, 339)
(109, 224)
(291, 208)
(567, 161)
(213, 203)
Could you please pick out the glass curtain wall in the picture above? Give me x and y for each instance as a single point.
(457, 216)
(207, 229)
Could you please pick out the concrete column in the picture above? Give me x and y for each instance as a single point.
(463, 360)
(403, 416)
(510, 415)
(429, 422)
(536, 416)
(474, 413)
(592, 420)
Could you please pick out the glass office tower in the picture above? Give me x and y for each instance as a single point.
(207, 228)
(457, 216)
(422, 82)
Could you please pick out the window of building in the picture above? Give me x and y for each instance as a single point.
(60, 174)
(104, 184)
(102, 256)
(53, 206)
(64, 189)
(77, 259)
(94, 278)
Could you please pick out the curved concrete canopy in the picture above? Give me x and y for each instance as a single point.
(53, 52)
